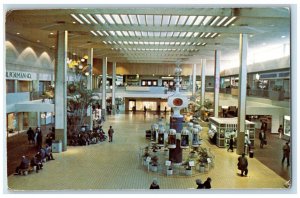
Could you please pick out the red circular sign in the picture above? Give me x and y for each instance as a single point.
(177, 102)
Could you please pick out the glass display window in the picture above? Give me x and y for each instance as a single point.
(287, 126)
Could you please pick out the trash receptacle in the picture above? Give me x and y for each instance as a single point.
(57, 146)
(251, 154)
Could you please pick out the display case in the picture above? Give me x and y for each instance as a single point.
(224, 128)
(286, 128)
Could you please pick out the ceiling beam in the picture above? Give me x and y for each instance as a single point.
(145, 28)
(246, 11)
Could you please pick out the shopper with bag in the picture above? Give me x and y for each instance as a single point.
(243, 164)
(262, 138)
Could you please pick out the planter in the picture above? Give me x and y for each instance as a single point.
(201, 168)
(154, 168)
(170, 172)
(188, 172)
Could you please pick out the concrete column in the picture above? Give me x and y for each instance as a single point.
(60, 106)
(90, 84)
(16, 83)
(242, 94)
(194, 80)
(104, 75)
(114, 87)
(203, 62)
(217, 83)
(38, 116)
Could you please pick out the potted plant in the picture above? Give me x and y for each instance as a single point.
(203, 155)
(170, 170)
(145, 155)
(154, 163)
(188, 168)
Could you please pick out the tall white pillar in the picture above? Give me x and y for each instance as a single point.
(217, 83)
(194, 79)
(104, 76)
(203, 62)
(60, 106)
(16, 84)
(90, 84)
(242, 94)
(38, 115)
(114, 87)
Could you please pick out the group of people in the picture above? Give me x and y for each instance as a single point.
(26, 164)
(94, 136)
(36, 137)
(200, 185)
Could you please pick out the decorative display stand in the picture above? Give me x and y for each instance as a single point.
(221, 129)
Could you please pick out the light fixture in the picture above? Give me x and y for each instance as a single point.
(18, 33)
(53, 46)
(80, 66)
(87, 73)
(82, 60)
(51, 33)
(283, 36)
(85, 57)
(74, 22)
(257, 76)
(38, 41)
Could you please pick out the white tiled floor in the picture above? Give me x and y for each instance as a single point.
(116, 165)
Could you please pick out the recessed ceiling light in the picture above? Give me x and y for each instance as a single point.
(264, 43)
(51, 33)
(53, 46)
(251, 35)
(18, 33)
(219, 35)
(74, 22)
(233, 24)
(283, 36)
(38, 41)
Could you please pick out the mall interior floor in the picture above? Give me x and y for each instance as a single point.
(107, 167)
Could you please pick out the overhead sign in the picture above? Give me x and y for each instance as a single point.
(20, 75)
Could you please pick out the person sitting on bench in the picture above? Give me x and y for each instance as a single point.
(35, 162)
(24, 165)
(49, 153)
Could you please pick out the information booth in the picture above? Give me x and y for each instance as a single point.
(224, 128)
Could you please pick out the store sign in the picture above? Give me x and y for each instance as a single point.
(19, 75)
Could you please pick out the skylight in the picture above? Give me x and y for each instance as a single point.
(206, 20)
(100, 18)
(76, 18)
(117, 19)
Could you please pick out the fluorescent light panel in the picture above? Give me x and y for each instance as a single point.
(92, 18)
(190, 20)
(198, 20)
(220, 23)
(207, 18)
(117, 19)
(157, 19)
(100, 18)
(94, 33)
(229, 21)
(214, 21)
(76, 18)
(109, 18)
(99, 33)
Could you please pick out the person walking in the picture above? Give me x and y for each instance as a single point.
(243, 164)
(39, 138)
(262, 138)
(231, 142)
(286, 153)
(280, 131)
(110, 134)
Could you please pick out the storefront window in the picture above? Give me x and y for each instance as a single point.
(24, 86)
(10, 86)
(287, 126)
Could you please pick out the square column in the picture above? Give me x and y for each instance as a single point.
(203, 62)
(104, 76)
(60, 106)
(90, 84)
(242, 94)
(113, 102)
(194, 79)
(217, 83)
